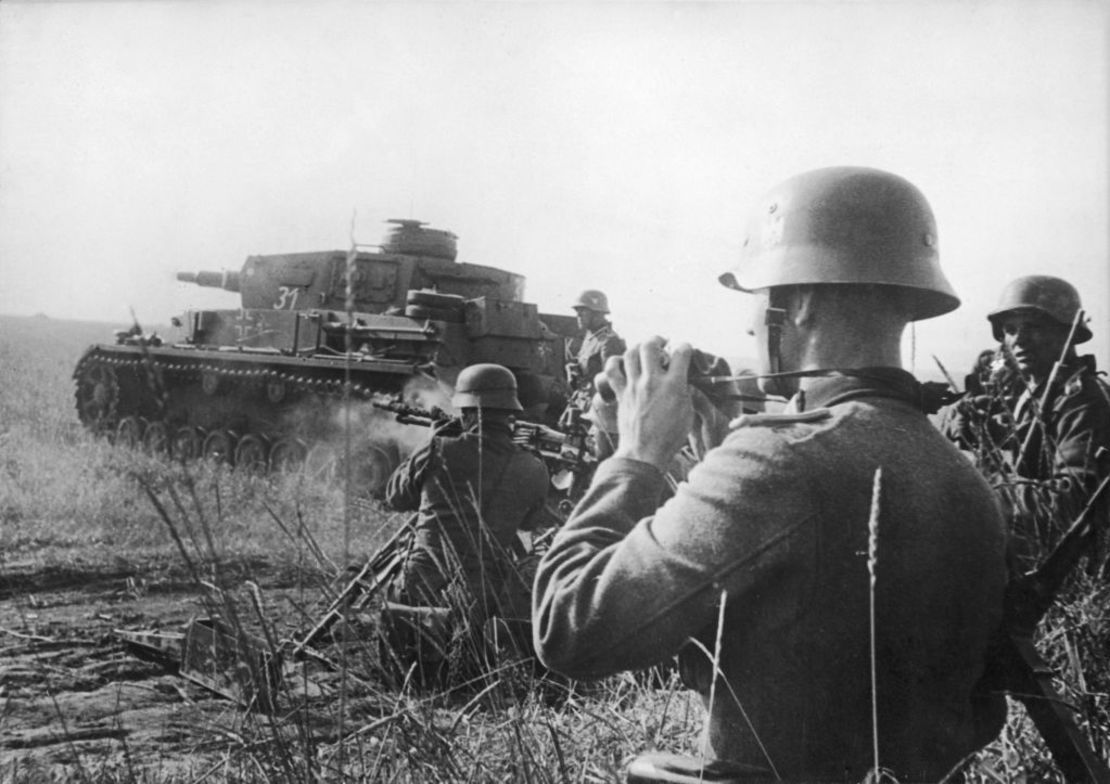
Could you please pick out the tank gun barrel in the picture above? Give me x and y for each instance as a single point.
(229, 281)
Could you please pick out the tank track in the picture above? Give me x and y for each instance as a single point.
(296, 381)
(237, 406)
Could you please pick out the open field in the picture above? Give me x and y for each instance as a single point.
(84, 550)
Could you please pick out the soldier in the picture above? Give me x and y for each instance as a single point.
(590, 352)
(472, 490)
(756, 569)
(1037, 437)
(987, 372)
(598, 342)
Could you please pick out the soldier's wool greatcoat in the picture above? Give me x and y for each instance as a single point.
(774, 523)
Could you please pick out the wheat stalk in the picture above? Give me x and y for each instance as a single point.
(872, 563)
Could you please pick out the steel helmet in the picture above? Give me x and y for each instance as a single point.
(848, 225)
(486, 386)
(594, 300)
(1052, 297)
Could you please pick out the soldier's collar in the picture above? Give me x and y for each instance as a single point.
(837, 385)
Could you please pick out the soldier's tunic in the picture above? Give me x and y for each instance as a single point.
(472, 493)
(590, 355)
(596, 347)
(1042, 463)
(776, 518)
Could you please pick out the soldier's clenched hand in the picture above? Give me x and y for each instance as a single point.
(655, 411)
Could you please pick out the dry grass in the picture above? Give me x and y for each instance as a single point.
(67, 497)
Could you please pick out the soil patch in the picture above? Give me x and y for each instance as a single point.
(73, 694)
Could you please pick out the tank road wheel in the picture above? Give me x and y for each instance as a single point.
(321, 462)
(156, 438)
(373, 467)
(251, 453)
(287, 454)
(187, 443)
(219, 446)
(129, 432)
(98, 397)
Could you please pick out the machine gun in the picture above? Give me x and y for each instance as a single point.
(555, 447)
(565, 453)
(414, 415)
(1014, 666)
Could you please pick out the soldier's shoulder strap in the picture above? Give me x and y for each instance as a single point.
(778, 420)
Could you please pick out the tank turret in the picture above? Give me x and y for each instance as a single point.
(412, 257)
(261, 384)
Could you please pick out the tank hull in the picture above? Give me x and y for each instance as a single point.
(290, 376)
(289, 393)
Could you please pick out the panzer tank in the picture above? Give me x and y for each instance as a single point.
(317, 338)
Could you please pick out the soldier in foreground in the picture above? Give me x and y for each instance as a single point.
(590, 352)
(472, 491)
(762, 554)
(1037, 437)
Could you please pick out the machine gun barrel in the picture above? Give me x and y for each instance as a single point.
(226, 280)
(413, 415)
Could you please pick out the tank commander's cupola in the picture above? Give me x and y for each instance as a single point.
(411, 238)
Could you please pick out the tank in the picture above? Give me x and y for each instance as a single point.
(318, 337)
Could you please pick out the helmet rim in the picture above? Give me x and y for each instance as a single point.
(486, 385)
(592, 299)
(845, 225)
(1052, 297)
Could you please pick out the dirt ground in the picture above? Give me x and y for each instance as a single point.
(71, 691)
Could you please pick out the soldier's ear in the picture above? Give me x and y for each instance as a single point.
(804, 306)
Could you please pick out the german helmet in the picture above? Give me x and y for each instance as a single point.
(1044, 294)
(594, 300)
(845, 225)
(486, 386)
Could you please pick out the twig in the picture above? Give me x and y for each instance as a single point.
(22, 636)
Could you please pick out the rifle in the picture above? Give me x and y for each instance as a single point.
(1041, 406)
(1025, 675)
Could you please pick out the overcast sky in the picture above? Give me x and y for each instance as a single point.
(615, 146)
